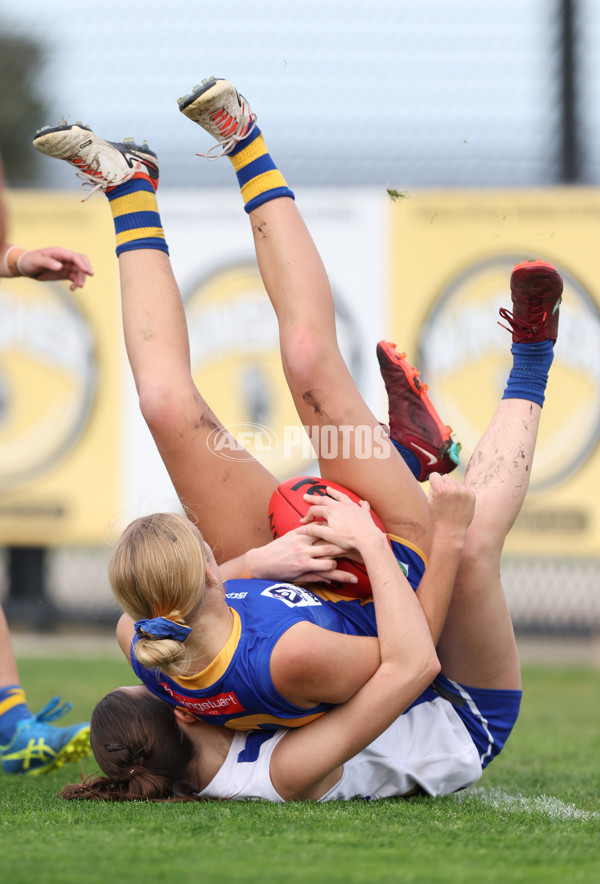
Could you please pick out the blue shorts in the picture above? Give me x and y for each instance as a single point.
(488, 714)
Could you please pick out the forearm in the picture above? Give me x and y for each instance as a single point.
(260, 562)
(304, 760)
(451, 505)
(293, 556)
(398, 612)
(435, 589)
(237, 569)
(403, 632)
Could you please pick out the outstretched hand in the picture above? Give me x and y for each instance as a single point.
(53, 262)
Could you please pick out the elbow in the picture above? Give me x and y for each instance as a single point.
(429, 668)
(432, 666)
(158, 405)
(170, 411)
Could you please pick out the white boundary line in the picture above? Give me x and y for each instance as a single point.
(546, 805)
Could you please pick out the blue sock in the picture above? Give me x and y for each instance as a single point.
(411, 460)
(529, 374)
(13, 709)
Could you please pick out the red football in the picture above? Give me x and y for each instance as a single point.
(286, 508)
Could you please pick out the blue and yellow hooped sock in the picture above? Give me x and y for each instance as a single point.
(13, 709)
(529, 374)
(136, 216)
(259, 178)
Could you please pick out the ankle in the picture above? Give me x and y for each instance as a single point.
(13, 709)
(258, 177)
(136, 217)
(529, 374)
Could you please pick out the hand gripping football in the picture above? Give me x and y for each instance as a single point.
(286, 508)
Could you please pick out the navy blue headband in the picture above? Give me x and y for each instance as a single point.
(160, 627)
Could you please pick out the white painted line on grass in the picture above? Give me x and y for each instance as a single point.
(547, 805)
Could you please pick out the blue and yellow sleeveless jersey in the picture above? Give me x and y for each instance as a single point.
(236, 690)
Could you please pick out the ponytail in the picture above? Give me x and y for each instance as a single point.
(158, 570)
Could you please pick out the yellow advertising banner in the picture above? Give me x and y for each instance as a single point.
(59, 381)
(452, 254)
(67, 458)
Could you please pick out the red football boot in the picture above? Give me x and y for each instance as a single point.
(536, 290)
(414, 422)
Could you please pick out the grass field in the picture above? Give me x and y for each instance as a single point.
(534, 817)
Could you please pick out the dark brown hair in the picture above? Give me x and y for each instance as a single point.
(138, 745)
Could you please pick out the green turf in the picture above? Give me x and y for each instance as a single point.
(534, 817)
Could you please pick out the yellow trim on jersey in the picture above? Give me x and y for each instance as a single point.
(410, 545)
(253, 722)
(217, 667)
(329, 595)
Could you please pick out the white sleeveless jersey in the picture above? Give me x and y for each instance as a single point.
(428, 747)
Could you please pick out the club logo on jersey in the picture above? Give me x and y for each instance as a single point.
(219, 704)
(292, 596)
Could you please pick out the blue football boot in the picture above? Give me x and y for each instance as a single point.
(39, 747)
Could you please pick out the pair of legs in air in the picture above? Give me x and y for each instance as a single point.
(229, 499)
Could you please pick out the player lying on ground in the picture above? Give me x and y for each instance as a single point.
(215, 670)
(149, 751)
(28, 743)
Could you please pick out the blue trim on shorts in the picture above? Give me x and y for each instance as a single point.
(488, 714)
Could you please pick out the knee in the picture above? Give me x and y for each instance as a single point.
(305, 352)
